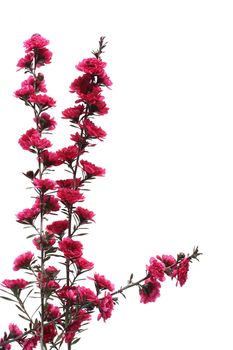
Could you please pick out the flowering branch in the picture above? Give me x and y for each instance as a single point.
(63, 304)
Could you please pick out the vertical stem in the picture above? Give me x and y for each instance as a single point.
(68, 270)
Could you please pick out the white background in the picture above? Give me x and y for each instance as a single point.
(168, 155)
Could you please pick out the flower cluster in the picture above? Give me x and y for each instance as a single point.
(65, 306)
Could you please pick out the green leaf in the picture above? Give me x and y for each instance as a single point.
(6, 298)
(24, 317)
(27, 295)
(75, 341)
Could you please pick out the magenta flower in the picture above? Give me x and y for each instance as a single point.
(49, 332)
(27, 216)
(44, 185)
(49, 204)
(68, 154)
(91, 169)
(26, 61)
(32, 139)
(76, 325)
(52, 312)
(91, 66)
(43, 101)
(35, 42)
(70, 248)
(49, 159)
(58, 227)
(46, 241)
(68, 196)
(14, 330)
(181, 273)
(106, 306)
(84, 214)
(23, 261)
(86, 295)
(102, 283)
(156, 270)
(83, 264)
(19, 283)
(92, 130)
(73, 113)
(46, 122)
(31, 343)
(150, 291)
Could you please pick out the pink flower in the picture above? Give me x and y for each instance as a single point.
(70, 248)
(68, 196)
(50, 203)
(43, 101)
(168, 260)
(27, 216)
(69, 183)
(32, 139)
(106, 305)
(50, 159)
(46, 122)
(85, 88)
(49, 332)
(25, 92)
(35, 42)
(92, 130)
(102, 283)
(75, 325)
(104, 80)
(91, 66)
(73, 113)
(86, 295)
(99, 106)
(58, 227)
(44, 185)
(26, 61)
(83, 264)
(181, 273)
(23, 261)
(4, 347)
(46, 241)
(150, 291)
(15, 284)
(156, 270)
(51, 312)
(68, 154)
(14, 331)
(92, 169)
(84, 214)
(30, 343)
(68, 293)
(43, 56)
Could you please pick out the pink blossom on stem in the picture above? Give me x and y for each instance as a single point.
(102, 283)
(84, 214)
(27, 216)
(86, 295)
(46, 122)
(181, 272)
(73, 113)
(92, 130)
(83, 264)
(43, 101)
(49, 332)
(35, 42)
(23, 261)
(156, 270)
(91, 66)
(68, 196)
(26, 61)
(44, 185)
(14, 330)
(16, 284)
(150, 291)
(70, 248)
(76, 325)
(106, 306)
(58, 227)
(48, 204)
(31, 343)
(45, 241)
(52, 312)
(32, 139)
(68, 154)
(92, 169)
(49, 159)
(70, 183)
